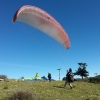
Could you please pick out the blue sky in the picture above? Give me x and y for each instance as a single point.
(24, 50)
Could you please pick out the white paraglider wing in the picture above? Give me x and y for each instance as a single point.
(43, 21)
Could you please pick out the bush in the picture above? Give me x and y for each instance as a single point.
(64, 78)
(94, 80)
(82, 80)
(23, 95)
(3, 77)
(6, 87)
(20, 95)
(86, 80)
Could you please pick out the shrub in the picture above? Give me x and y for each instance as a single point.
(83, 80)
(6, 87)
(94, 80)
(23, 95)
(20, 95)
(64, 78)
(3, 77)
(93, 98)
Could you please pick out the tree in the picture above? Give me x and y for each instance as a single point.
(43, 77)
(64, 78)
(22, 77)
(82, 70)
(3, 77)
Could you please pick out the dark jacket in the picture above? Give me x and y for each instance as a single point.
(49, 75)
(69, 76)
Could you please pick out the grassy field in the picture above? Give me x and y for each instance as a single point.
(52, 90)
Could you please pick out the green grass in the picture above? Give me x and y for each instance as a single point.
(52, 90)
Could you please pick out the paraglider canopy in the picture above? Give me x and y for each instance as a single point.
(43, 21)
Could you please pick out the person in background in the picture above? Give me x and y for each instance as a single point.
(49, 77)
(37, 75)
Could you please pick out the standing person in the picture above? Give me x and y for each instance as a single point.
(49, 77)
(37, 75)
(69, 77)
